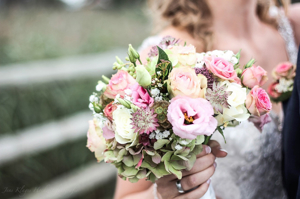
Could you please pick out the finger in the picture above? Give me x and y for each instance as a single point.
(217, 150)
(197, 193)
(201, 164)
(206, 150)
(191, 181)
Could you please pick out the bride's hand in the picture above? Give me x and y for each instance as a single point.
(198, 178)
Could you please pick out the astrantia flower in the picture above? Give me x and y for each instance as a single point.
(218, 97)
(165, 42)
(144, 121)
(209, 76)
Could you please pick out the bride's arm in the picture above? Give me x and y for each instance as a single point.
(294, 17)
(127, 190)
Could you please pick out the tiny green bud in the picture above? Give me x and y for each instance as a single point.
(97, 108)
(134, 107)
(132, 59)
(124, 103)
(115, 67)
(134, 75)
(105, 79)
(134, 52)
(127, 58)
(250, 63)
(238, 71)
(119, 60)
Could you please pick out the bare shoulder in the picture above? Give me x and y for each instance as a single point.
(294, 17)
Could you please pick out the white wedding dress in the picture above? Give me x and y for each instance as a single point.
(252, 169)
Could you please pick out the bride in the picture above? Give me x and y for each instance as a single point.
(264, 32)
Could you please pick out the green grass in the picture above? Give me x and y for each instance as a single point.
(39, 33)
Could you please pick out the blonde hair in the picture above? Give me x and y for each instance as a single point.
(195, 16)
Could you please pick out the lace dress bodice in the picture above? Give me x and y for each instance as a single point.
(252, 169)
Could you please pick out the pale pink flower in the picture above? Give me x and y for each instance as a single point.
(258, 102)
(285, 69)
(118, 83)
(221, 68)
(109, 109)
(96, 142)
(141, 97)
(272, 91)
(260, 121)
(255, 75)
(191, 117)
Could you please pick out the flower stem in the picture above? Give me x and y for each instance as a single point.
(207, 139)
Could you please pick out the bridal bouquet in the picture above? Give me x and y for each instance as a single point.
(281, 89)
(150, 120)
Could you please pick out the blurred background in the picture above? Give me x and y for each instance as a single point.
(52, 52)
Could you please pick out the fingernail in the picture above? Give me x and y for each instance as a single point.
(224, 150)
(207, 149)
(215, 165)
(208, 181)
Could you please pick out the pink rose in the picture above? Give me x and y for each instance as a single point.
(259, 122)
(255, 75)
(118, 83)
(191, 117)
(272, 91)
(95, 141)
(221, 68)
(184, 81)
(258, 101)
(285, 69)
(109, 109)
(141, 97)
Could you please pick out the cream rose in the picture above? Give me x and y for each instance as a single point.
(184, 81)
(96, 142)
(124, 132)
(186, 55)
(236, 100)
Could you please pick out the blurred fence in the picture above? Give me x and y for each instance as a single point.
(42, 156)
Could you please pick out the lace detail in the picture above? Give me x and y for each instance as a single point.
(287, 33)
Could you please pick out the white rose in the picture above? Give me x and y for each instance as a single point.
(95, 141)
(124, 130)
(236, 100)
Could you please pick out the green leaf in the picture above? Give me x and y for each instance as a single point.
(200, 139)
(141, 174)
(198, 149)
(133, 180)
(136, 159)
(156, 158)
(160, 143)
(167, 156)
(151, 153)
(121, 155)
(128, 161)
(160, 170)
(129, 171)
(177, 173)
(190, 162)
(162, 55)
(221, 131)
(178, 165)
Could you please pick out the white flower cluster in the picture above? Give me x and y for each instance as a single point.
(159, 134)
(155, 93)
(100, 119)
(100, 86)
(227, 55)
(284, 85)
(93, 98)
(181, 143)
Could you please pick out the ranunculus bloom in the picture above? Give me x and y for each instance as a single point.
(259, 122)
(272, 91)
(285, 69)
(191, 117)
(124, 132)
(109, 109)
(221, 68)
(184, 81)
(118, 83)
(236, 100)
(141, 97)
(96, 142)
(255, 75)
(258, 101)
(186, 55)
